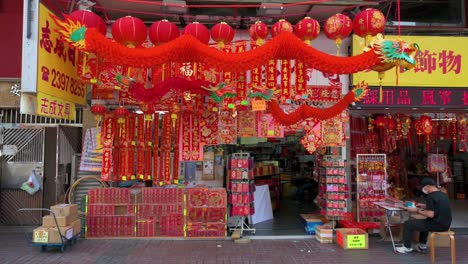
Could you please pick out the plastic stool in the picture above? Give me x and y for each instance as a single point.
(432, 237)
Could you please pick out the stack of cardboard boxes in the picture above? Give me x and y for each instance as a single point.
(67, 222)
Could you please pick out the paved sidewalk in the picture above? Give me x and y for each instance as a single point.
(14, 249)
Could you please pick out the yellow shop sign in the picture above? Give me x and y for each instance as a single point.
(440, 63)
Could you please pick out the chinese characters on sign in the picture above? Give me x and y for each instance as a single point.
(57, 63)
(54, 107)
(440, 63)
(417, 97)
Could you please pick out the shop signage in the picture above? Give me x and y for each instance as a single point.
(356, 241)
(54, 107)
(57, 63)
(9, 94)
(439, 64)
(404, 97)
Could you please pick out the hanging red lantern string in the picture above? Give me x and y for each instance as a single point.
(162, 32)
(453, 124)
(426, 128)
(307, 29)
(258, 32)
(463, 127)
(337, 28)
(222, 34)
(281, 26)
(369, 23)
(198, 31)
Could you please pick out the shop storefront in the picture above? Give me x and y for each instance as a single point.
(421, 129)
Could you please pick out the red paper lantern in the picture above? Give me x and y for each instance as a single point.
(197, 30)
(369, 22)
(222, 33)
(163, 31)
(258, 32)
(121, 111)
(89, 20)
(129, 31)
(98, 109)
(338, 27)
(307, 29)
(281, 26)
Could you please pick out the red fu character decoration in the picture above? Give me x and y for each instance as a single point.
(162, 32)
(258, 32)
(337, 28)
(369, 23)
(222, 33)
(307, 29)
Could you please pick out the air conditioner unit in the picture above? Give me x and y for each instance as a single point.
(174, 7)
(269, 9)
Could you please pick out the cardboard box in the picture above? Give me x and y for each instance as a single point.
(324, 234)
(76, 226)
(48, 220)
(51, 235)
(352, 238)
(312, 220)
(64, 209)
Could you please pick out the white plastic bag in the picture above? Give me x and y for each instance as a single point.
(32, 185)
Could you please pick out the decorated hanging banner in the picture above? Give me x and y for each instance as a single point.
(176, 137)
(106, 164)
(247, 124)
(123, 164)
(156, 156)
(131, 130)
(140, 163)
(197, 148)
(108, 76)
(267, 127)
(332, 132)
(256, 73)
(148, 163)
(165, 160)
(271, 74)
(87, 67)
(209, 124)
(185, 141)
(99, 93)
(140, 130)
(108, 130)
(241, 77)
(227, 133)
(285, 79)
(301, 75)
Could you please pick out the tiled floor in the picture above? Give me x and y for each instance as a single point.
(14, 249)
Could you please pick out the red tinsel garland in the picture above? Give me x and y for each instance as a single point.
(139, 92)
(305, 111)
(188, 49)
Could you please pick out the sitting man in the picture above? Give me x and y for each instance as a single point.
(437, 212)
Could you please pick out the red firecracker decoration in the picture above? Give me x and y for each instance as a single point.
(258, 32)
(369, 23)
(462, 127)
(90, 20)
(197, 30)
(129, 31)
(338, 27)
(222, 33)
(281, 26)
(307, 29)
(163, 31)
(98, 110)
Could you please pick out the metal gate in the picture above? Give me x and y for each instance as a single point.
(23, 153)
